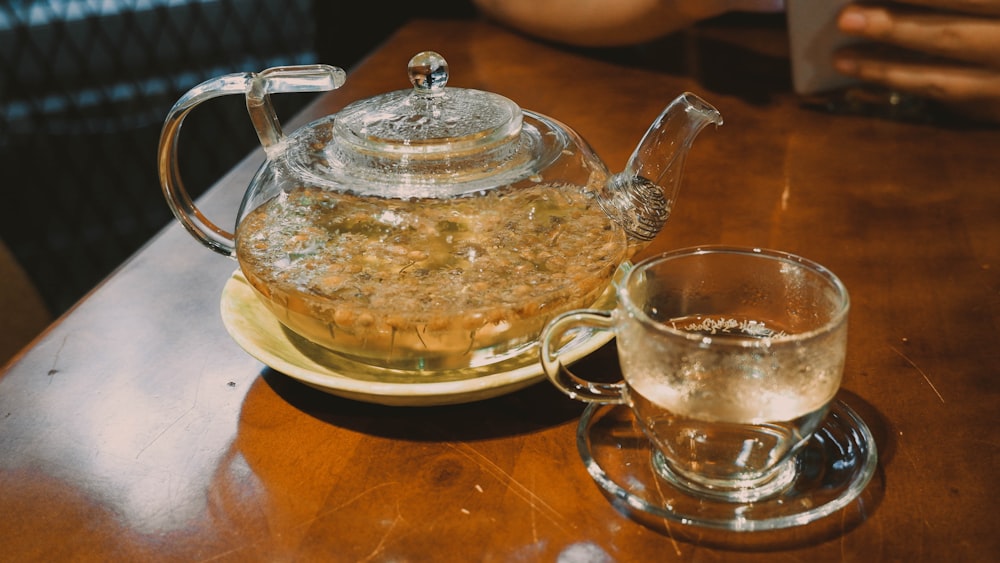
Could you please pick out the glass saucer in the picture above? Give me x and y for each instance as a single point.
(834, 468)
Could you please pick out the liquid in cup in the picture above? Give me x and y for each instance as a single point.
(730, 359)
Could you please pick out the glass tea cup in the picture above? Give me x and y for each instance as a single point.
(730, 358)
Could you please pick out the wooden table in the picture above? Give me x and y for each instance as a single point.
(136, 429)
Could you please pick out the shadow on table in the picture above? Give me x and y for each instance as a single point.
(301, 443)
(525, 411)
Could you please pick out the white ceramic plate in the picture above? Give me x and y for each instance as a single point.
(260, 334)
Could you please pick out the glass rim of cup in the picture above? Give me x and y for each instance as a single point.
(756, 341)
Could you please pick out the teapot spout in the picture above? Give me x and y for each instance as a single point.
(640, 197)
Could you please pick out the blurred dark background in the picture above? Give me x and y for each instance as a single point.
(85, 86)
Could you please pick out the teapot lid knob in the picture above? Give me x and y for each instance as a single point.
(428, 72)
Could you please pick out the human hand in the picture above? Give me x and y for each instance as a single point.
(942, 50)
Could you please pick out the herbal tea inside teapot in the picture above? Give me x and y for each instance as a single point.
(435, 227)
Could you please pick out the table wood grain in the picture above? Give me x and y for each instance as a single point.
(135, 429)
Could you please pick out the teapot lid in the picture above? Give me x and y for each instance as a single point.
(428, 141)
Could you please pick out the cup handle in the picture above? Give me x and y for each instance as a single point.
(561, 376)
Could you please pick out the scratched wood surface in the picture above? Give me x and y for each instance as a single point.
(135, 429)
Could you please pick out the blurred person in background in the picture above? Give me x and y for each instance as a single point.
(947, 51)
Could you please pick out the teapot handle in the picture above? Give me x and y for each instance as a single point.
(257, 87)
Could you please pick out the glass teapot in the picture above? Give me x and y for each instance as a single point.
(430, 228)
